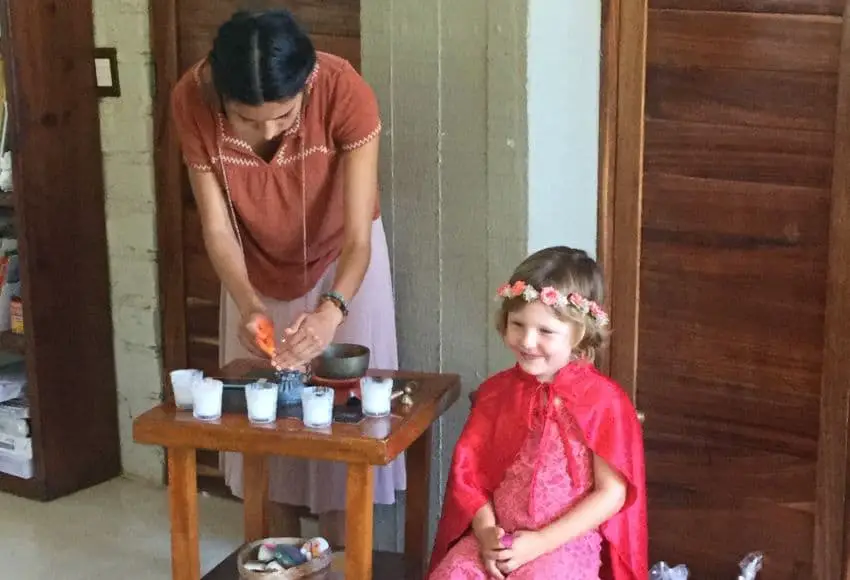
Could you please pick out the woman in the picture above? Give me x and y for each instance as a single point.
(281, 144)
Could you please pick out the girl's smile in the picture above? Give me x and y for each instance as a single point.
(541, 342)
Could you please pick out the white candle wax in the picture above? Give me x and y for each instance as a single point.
(375, 396)
(181, 385)
(262, 402)
(317, 406)
(206, 399)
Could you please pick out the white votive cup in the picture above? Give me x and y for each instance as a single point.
(181, 385)
(262, 402)
(206, 399)
(375, 396)
(317, 405)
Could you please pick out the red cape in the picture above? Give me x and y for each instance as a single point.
(497, 428)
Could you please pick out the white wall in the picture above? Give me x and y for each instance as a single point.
(563, 123)
(126, 130)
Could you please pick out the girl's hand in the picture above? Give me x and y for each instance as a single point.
(249, 330)
(490, 545)
(308, 336)
(525, 547)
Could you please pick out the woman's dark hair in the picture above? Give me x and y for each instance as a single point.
(259, 57)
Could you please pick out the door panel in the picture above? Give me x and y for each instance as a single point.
(739, 136)
(835, 7)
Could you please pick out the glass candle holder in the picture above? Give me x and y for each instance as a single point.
(317, 405)
(206, 399)
(291, 383)
(182, 381)
(375, 396)
(261, 398)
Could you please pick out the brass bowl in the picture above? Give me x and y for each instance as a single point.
(341, 361)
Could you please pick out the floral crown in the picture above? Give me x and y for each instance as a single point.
(552, 297)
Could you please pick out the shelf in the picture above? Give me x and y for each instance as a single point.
(11, 342)
(28, 488)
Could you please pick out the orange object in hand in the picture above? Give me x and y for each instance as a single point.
(265, 337)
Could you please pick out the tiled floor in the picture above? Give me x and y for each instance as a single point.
(116, 530)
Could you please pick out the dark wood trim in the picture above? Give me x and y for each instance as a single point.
(621, 169)
(831, 511)
(607, 147)
(169, 196)
(69, 341)
(28, 488)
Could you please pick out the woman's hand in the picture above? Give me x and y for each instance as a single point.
(524, 547)
(249, 330)
(308, 336)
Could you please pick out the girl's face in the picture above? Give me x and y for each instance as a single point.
(264, 122)
(541, 342)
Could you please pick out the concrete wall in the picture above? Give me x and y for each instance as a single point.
(126, 129)
(451, 81)
(489, 151)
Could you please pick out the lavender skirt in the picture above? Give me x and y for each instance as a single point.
(320, 485)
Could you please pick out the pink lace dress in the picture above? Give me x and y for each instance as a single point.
(537, 490)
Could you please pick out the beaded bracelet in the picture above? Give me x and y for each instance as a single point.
(338, 301)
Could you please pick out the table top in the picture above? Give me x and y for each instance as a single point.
(376, 441)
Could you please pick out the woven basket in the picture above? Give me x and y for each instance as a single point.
(306, 570)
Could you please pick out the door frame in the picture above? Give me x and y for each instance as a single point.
(169, 181)
(621, 139)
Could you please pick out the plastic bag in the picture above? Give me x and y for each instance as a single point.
(662, 571)
(751, 565)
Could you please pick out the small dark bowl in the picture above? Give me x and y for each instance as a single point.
(341, 361)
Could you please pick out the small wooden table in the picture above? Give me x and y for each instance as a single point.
(369, 443)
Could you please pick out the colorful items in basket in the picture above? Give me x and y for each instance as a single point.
(275, 557)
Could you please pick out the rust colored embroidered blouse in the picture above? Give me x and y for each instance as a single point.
(339, 113)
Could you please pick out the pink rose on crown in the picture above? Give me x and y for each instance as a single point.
(549, 296)
(504, 291)
(579, 301)
(518, 288)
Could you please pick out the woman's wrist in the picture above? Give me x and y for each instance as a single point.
(250, 305)
(328, 307)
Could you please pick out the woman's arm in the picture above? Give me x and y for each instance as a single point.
(220, 241)
(606, 499)
(310, 334)
(360, 171)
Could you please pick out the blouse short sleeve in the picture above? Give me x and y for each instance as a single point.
(184, 114)
(355, 118)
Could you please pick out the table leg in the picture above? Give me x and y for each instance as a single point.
(418, 464)
(183, 508)
(358, 522)
(255, 471)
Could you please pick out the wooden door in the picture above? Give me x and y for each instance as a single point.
(182, 34)
(727, 243)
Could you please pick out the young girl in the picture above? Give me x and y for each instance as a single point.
(547, 479)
